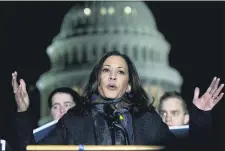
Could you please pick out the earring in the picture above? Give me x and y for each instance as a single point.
(129, 94)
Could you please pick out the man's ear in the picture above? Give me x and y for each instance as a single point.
(128, 89)
(186, 119)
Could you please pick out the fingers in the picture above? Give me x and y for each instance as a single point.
(217, 92)
(23, 85)
(14, 82)
(218, 98)
(215, 85)
(211, 85)
(196, 93)
(23, 88)
(18, 94)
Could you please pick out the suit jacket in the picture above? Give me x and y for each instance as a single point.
(76, 128)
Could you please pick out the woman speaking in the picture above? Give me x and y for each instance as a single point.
(114, 110)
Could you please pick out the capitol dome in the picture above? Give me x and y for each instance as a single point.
(90, 29)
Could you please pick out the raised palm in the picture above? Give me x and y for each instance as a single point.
(21, 95)
(210, 98)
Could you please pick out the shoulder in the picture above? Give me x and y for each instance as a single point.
(151, 119)
(156, 124)
(150, 115)
(146, 113)
(152, 125)
(76, 115)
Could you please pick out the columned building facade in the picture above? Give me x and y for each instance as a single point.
(91, 29)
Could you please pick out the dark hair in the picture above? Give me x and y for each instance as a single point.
(173, 94)
(138, 95)
(74, 94)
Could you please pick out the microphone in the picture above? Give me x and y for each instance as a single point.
(117, 120)
(115, 114)
(118, 115)
(109, 111)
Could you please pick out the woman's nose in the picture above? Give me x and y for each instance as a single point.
(112, 76)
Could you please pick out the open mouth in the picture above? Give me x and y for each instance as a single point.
(112, 87)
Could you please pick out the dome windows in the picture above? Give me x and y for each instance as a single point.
(127, 10)
(87, 11)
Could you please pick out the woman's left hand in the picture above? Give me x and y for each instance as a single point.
(210, 98)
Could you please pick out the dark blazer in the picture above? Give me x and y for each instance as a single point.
(76, 128)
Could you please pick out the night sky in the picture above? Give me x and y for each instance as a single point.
(195, 31)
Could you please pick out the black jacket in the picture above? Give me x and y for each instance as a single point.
(75, 128)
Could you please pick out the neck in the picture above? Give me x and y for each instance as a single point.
(116, 103)
(96, 98)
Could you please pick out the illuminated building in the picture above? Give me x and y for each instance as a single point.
(93, 28)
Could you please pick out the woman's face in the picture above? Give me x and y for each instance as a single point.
(113, 78)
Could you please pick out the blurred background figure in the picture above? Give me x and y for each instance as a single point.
(173, 109)
(59, 102)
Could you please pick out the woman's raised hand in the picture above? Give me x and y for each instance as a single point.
(20, 92)
(211, 97)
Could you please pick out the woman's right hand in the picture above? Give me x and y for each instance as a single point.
(21, 95)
